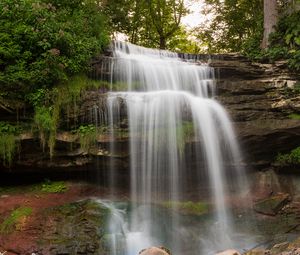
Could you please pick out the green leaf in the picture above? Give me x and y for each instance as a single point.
(297, 40)
(288, 38)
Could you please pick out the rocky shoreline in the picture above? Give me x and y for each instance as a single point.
(69, 219)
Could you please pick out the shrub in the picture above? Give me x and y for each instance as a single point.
(87, 136)
(292, 158)
(285, 42)
(294, 116)
(49, 103)
(54, 187)
(43, 42)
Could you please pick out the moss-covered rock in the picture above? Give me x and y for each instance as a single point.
(76, 228)
(256, 252)
(188, 208)
(15, 219)
(271, 205)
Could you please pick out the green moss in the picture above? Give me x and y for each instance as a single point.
(271, 205)
(195, 208)
(8, 142)
(73, 221)
(70, 91)
(54, 187)
(293, 91)
(184, 133)
(294, 116)
(87, 136)
(14, 218)
(49, 103)
(292, 158)
(7, 148)
(46, 120)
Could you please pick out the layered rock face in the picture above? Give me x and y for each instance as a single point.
(261, 99)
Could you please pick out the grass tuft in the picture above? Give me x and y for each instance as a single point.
(16, 216)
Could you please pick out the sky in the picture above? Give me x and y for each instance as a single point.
(195, 17)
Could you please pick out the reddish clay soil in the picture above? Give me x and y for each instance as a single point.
(23, 240)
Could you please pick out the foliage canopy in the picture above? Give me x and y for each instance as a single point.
(285, 42)
(236, 25)
(149, 23)
(43, 42)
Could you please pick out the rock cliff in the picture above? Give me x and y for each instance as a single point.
(263, 101)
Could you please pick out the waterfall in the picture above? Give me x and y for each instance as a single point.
(169, 103)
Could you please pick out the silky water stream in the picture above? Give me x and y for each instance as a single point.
(185, 163)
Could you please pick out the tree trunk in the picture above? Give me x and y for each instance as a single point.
(162, 43)
(270, 20)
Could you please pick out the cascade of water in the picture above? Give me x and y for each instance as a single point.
(169, 101)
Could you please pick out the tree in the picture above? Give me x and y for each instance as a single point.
(125, 17)
(149, 23)
(285, 41)
(166, 17)
(270, 20)
(181, 42)
(236, 24)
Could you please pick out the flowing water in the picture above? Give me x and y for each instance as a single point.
(181, 142)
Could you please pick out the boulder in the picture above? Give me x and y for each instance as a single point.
(272, 205)
(256, 252)
(285, 248)
(295, 245)
(229, 252)
(155, 251)
(75, 228)
(70, 228)
(280, 247)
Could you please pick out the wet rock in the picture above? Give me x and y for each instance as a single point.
(267, 183)
(285, 248)
(76, 228)
(257, 252)
(257, 96)
(277, 248)
(295, 245)
(229, 252)
(272, 205)
(259, 103)
(155, 251)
